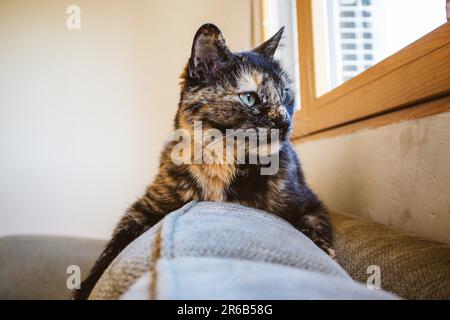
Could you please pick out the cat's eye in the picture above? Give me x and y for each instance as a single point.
(249, 98)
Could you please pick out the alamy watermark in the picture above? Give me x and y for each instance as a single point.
(73, 281)
(73, 21)
(374, 280)
(259, 146)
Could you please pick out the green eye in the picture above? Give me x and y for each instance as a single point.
(248, 98)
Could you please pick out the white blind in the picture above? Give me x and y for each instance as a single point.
(351, 30)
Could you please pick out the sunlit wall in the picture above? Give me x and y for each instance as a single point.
(84, 113)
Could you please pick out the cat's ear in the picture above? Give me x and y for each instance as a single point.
(269, 47)
(209, 51)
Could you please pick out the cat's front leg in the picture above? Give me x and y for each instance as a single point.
(131, 226)
(316, 225)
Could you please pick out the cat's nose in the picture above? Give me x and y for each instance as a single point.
(280, 118)
(282, 123)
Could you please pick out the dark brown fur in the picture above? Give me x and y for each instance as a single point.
(210, 83)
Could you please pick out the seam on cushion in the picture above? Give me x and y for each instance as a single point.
(234, 207)
(321, 271)
(237, 213)
(162, 246)
(155, 255)
(311, 264)
(168, 229)
(230, 207)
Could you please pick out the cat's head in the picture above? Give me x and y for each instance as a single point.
(226, 90)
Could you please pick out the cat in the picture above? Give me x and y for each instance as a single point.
(227, 90)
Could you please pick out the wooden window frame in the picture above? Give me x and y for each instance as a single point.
(414, 76)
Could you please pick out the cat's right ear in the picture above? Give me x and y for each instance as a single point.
(209, 52)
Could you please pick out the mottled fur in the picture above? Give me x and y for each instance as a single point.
(210, 85)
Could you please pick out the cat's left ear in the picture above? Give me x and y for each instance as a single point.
(209, 51)
(269, 47)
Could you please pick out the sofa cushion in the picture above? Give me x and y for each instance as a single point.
(213, 250)
(411, 267)
(34, 267)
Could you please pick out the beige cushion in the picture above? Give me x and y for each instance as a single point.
(34, 267)
(411, 267)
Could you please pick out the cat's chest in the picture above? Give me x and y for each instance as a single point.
(214, 180)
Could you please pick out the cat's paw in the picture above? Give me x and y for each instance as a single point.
(331, 253)
(318, 229)
(327, 248)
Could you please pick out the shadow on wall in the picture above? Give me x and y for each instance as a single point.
(396, 175)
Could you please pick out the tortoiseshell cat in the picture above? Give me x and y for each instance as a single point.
(237, 91)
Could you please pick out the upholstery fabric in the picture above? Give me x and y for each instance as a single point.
(34, 267)
(412, 267)
(224, 251)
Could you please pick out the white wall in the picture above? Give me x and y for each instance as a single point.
(84, 113)
(398, 175)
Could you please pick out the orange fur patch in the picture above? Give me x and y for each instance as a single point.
(214, 179)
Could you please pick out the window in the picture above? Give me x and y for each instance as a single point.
(357, 34)
(365, 59)
(277, 14)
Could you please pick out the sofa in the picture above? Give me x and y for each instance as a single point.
(35, 267)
